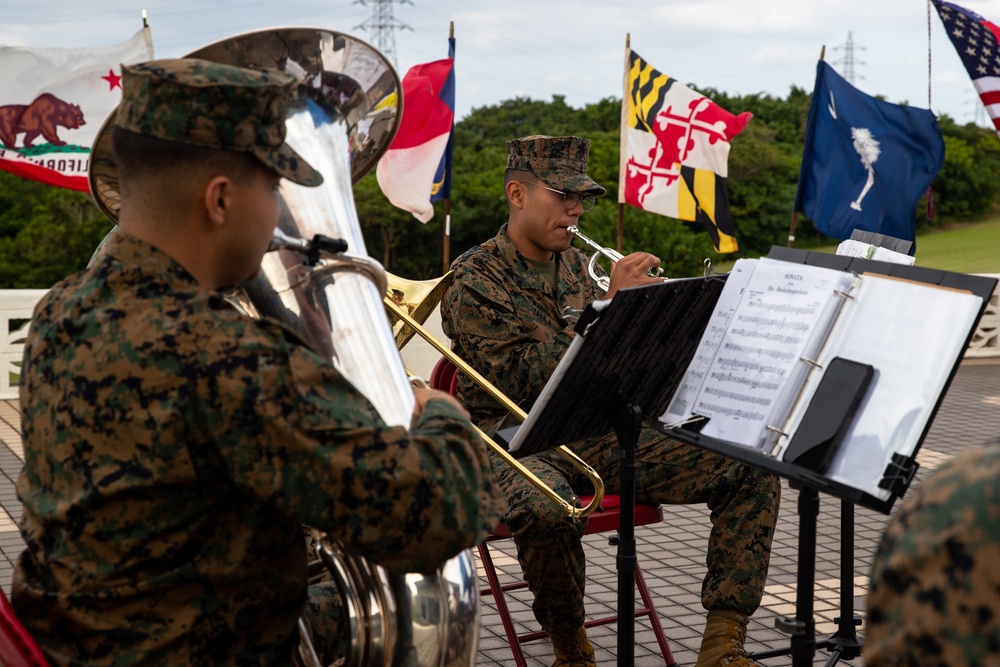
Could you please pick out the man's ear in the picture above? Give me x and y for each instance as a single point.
(515, 193)
(217, 199)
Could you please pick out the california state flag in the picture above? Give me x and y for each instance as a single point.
(53, 102)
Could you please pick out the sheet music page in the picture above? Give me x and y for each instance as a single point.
(912, 334)
(784, 313)
(680, 405)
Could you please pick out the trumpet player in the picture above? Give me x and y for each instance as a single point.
(505, 314)
(174, 448)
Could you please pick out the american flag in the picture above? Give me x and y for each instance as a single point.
(978, 44)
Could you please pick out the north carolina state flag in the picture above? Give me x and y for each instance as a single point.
(415, 170)
(53, 102)
(675, 151)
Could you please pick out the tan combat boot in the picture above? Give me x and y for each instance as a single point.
(572, 649)
(722, 644)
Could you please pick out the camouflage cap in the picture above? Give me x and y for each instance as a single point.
(559, 162)
(208, 104)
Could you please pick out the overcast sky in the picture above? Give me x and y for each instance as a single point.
(541, 48)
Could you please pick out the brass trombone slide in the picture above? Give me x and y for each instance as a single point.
(514, 409)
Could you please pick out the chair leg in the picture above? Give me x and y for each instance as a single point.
(498, 596)
(498, 591)
(649, 610)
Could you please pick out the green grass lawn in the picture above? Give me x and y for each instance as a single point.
(967, 248)
(973, 248)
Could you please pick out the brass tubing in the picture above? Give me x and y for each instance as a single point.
(514, 409)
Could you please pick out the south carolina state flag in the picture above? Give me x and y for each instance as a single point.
(53, 102)
(415, 166)
(865, 162)
(675, 151)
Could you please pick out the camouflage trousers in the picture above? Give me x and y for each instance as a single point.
(744, 509)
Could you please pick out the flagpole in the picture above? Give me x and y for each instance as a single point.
(446, 250)
(145, 19)
(621, 206)
(446, 244)
(795, 214)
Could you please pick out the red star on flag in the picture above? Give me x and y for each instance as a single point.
(113, 80)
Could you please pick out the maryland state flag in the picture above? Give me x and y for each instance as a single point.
(54, 101)
(675, 150)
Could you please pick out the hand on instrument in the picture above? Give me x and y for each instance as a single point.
(633, 270)
(423, 395)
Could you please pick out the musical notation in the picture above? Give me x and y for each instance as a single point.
(768, 318)
(770, 336)
(737, 396)
(784, 323)
(753, 352)
(735, 413)
(740, 379)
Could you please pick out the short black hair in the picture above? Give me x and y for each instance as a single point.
(139, 157)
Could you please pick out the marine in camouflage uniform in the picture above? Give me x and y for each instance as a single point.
(935, 583)
(513, 325)
(174, 447)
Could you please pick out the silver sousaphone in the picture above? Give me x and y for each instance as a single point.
(348, 110)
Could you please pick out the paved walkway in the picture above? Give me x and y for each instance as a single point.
(672, 553)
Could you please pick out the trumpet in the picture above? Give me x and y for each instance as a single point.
(603, 281)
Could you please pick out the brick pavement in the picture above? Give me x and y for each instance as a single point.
(672, 553)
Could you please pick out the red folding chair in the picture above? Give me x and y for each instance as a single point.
(17, 648)
(604, 520)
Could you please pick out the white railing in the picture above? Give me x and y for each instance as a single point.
(16, 307)
(986, 340)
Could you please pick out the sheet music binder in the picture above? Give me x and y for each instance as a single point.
(633, 348)
(810, 464)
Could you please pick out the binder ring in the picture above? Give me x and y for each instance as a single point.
(811, 362)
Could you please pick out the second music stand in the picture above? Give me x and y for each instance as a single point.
(617, 372)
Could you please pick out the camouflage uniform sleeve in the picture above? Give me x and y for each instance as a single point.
(293, 431)
(502, 332)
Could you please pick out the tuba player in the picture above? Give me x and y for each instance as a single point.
(173, 447)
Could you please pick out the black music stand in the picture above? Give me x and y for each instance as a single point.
(626, 362)
(805, 477)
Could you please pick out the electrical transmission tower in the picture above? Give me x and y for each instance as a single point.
(381, 25)
(979, 115)
(849, 61)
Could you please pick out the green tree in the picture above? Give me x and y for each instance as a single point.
(47, 233)
(968, 185)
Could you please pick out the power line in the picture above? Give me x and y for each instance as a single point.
(382, 25)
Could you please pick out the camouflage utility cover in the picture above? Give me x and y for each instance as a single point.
(173, 448)
(935, 597)
(211, 105)
(559, 162)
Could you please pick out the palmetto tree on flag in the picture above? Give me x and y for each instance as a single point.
(868, 149)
